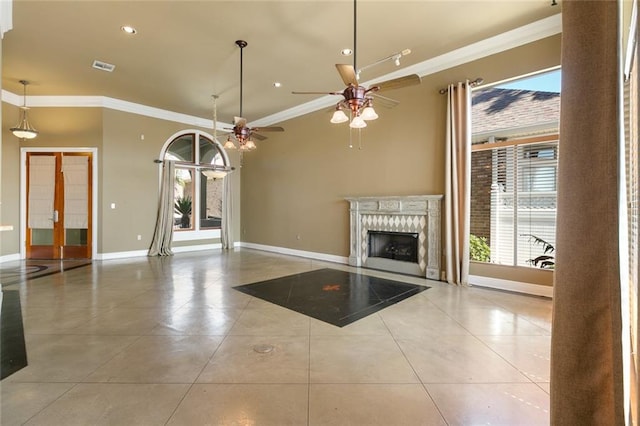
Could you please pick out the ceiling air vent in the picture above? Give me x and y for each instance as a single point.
(103, 66)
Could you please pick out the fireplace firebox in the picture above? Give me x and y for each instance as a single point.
(402, 246)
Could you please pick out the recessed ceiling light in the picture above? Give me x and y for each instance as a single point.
(277, 84)
(346, 52)
(129, 30)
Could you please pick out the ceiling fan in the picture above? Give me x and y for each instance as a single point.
(358, 99)
(242, 134)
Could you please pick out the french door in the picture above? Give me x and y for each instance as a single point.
(59, 203)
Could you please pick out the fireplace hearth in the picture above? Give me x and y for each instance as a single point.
(416, 215)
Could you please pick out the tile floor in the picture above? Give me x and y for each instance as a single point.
(167, 341)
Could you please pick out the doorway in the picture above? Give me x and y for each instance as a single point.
(58, 192)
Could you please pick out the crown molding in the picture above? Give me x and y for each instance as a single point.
(110, 103)
(6, 16)
(526, 34)
(520, 36)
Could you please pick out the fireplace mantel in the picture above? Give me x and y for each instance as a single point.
(413, 213)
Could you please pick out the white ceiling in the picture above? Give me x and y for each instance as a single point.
(184, 51)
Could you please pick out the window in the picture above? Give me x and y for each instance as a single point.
(514, 163)
(513, 200)
(198, 184)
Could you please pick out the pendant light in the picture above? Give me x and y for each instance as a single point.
(215, 172)
(23, 129)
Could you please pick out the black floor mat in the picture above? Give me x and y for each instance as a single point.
(333, 296)
(13, 353)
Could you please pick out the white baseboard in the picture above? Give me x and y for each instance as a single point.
(201, 247)
(9, 257)
(516, 286)
(134, 253)
(121, 254)
(300, 253)
(140, 253)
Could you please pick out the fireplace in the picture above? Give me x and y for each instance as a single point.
(414, 217)
(401, 246)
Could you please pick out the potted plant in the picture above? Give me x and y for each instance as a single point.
(183, 207)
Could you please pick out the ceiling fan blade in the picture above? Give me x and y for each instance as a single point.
(347, 73)
(317, 93)
(258, 137)
(239, 121)
(397, 83)
(384, 101)
(268, 129)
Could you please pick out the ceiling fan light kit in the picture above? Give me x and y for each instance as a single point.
(358, 99)
(357, 123)
(241, 132)
(23, 129)
(339, 116)
(368, 113)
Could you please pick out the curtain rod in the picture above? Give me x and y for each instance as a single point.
(473, 83)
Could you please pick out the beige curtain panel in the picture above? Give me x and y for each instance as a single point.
(587, 380)
(458, 183)
(163, 234)
(227, 214)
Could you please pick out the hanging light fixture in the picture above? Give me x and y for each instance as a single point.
(23, 129)
(241, 133)
(358, 99)
(215, 171)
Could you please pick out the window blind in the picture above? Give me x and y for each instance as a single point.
(513, 201)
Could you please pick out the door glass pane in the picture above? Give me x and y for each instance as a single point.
(75, 237)
(42, 237)
(210, 202)
(183, 199)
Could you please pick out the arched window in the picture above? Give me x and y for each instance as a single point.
(200, 164)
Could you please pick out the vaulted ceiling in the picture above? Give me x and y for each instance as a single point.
(184, 51)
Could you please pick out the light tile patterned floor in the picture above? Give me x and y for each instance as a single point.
(155, 341)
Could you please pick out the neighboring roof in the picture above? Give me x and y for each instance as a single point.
(513, 112)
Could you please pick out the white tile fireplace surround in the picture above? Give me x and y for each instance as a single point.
(416, 214)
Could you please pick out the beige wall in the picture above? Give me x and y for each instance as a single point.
(130, 179)
(127, 174)
(58, 127)
(294, 184)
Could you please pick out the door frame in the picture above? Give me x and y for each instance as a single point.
(23, 194)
